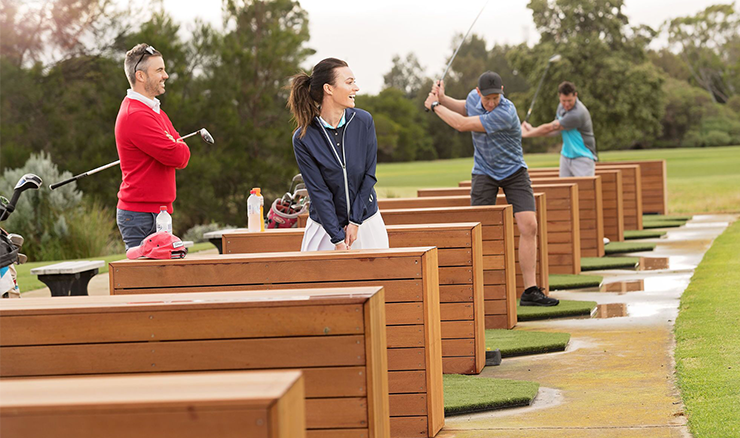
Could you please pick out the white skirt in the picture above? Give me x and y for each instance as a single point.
(370, 235)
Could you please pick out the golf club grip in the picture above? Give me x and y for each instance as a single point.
(66, 181)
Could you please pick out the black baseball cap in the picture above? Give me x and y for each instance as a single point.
(490, 83)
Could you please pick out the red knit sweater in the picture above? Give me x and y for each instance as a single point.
(149, 156)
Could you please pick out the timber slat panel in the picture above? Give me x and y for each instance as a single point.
(653, 175)
(459, 248)
(345, 371)
(299, 270)
(497, 228)
(256, 404)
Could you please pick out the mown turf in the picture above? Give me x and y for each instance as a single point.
(466, 394)
(699, 179)
(28, 282)
(599, 263)
(570, 281)
(566, 308)
(643, 234)
(625, 247)
(523, 342)
(708, 341)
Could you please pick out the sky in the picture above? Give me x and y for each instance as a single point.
(368, 33)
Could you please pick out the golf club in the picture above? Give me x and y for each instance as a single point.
(449, 64)
(207, 137)
(27, 181)
(553, 58)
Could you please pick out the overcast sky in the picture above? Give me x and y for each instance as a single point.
(368, 33)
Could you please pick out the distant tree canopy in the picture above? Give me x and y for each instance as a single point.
(62, 83)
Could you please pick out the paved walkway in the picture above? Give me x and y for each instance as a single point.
(616, 378)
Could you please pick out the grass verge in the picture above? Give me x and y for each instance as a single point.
(708, 341)
(566, 308)
(28, 282)
(642, 234)
(523, 342)
(599, 263)
(624, 247)
(570, 281)
(467, 394)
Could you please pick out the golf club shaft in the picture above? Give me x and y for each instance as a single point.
(449, 64)
(98, 169)
(529, 112)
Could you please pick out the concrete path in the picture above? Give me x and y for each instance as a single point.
(616, 378)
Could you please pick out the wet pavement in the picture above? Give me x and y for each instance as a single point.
(616, 377)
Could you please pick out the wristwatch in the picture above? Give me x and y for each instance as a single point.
(434, 105)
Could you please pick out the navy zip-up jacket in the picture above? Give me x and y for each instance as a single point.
(324, 175)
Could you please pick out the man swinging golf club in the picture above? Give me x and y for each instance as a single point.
(148, 146)
(498, 162)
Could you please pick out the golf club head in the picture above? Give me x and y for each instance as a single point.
(555, 58)
(28, 181)
(207, 137)
(300, 192)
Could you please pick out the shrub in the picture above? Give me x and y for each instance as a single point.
(58, 225)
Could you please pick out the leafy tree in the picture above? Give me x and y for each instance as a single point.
(605, 60)
(406, 75)
(709, 44)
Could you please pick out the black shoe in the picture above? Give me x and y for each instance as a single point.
(534, 296)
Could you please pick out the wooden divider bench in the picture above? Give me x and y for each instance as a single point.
(410, 277)
(653, 174)
(631, 191)
(611, 200)
(591, 213)
(542, 248)
(561, 222)
(335, 336)
(459, 248)
(267, 404)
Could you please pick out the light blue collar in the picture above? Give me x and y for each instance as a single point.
(327, 125)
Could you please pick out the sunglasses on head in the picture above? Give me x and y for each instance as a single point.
(149, 50)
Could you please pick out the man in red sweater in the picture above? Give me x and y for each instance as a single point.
(147, 146)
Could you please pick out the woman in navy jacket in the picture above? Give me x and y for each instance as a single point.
(336, 150)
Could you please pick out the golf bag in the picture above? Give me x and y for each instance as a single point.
(284, 211)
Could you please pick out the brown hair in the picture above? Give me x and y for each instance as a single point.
(566, 88)
(137, 54)
(307, 92)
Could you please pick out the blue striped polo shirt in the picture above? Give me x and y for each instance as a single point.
(498, 151)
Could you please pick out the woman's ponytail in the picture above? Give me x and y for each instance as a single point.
(307, 92)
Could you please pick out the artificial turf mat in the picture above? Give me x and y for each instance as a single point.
(599, 263)
(650, 221)
(624, 247)
(467, 394)
(523, 342)
(570, 281)
(642, 234)
(566, 308)
(708, 341)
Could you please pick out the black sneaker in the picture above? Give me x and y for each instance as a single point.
(535, 297)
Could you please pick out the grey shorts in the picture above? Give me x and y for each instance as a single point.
(517, 188)
(580, 166)
(135, 226)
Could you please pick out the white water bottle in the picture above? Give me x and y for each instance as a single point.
(164, 220)
(255, 205)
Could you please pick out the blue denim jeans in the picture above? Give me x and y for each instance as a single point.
(135, 226)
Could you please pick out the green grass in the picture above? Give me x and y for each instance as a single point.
(643, 234)
(623, 247)
(599, 263)
(699, 179)
(522, 342)
(466, 394)
(28, 282)
(708, 341)
(566, 308)
(570, 281)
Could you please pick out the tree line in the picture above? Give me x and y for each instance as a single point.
(61, 84)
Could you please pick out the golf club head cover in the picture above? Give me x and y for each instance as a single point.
(160, 245)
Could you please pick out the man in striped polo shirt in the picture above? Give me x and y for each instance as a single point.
(498, 162)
